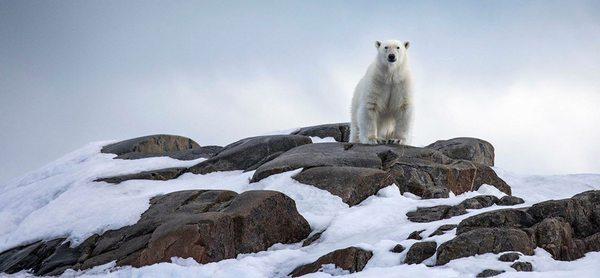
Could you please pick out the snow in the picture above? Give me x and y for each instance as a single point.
(61, 200)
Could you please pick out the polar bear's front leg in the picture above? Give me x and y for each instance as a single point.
(402, 119)
(367, 123)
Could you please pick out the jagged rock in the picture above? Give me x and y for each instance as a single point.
(503, 218)
(509, 257)
(555, 235)
(510, 201)
(160, 174)
(484, 240)
(150, 146)
(206, 225)
(430, 214)
(522, 266)
(416, 235)
(443, 229)
(312, 239)
(352, 184)
(472, 149)
(489, 273)
(420, 251)
(421, 171)
(352, 259)
(398, 248)
(248, 154)
(340, 132)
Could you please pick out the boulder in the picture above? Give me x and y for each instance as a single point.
(555, 235)
(430, 214)
(420, 251)
(160, 174)
(522, 266)
(479, 202)
(416, 235)
(352, 184)
(248, 154)
(398, 249)
(206, 225)
(510, 201)
(340, 132)
(352, 259)
(150, 146)
(195, 153)
(509, 257)
(503, 218)
(471, 149)
(485, 240)
(310, 240)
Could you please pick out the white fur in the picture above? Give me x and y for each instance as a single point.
(381, 105)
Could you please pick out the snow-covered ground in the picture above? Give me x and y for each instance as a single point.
(61, 200)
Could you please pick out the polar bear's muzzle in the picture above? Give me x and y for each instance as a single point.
(391, 58)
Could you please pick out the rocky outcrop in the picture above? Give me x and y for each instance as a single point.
(509, 257)
(206, 225)
(352, 259)
(150, 146)
(435, 213)
(472, 149)
(489, 273)
(420, 252)
(340, 132)
(352, 184)
(566, 228)
(522, 266)
(160, 174)
(424, 172)
(250, 153)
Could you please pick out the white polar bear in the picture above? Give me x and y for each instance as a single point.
(381, 105)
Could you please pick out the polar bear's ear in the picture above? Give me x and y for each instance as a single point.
(377, 44)
(406, 44)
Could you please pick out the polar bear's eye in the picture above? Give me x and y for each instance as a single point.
(397, 47)
(386, 47)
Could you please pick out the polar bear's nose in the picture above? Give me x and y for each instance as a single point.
(392, 58)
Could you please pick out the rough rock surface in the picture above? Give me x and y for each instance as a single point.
(150, 146)
(352, 259)
(160, 174)
(489, 273)
(340, 131)
(312, 239)
(522, 266)
(206, 225)
(509, 257)
(420, 251)
(466, 148)
(352, 184)
(248, 154)
(398, 249)
(484, 240)
(416, 235)
(443, 229)
(424, 172)
(566, 228)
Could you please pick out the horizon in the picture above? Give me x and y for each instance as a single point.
(523, 76)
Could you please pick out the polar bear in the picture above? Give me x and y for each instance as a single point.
(381, 105)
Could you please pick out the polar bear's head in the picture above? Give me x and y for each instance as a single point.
(391, 51)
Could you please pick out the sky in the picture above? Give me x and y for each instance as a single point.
(524, 75)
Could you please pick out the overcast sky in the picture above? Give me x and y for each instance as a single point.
(522, 75)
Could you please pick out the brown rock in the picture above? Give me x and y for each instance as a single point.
(352, 259)
(420, 251)
(150, 146)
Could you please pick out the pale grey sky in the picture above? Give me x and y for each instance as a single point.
(524, 75)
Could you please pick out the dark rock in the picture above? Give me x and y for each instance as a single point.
(248, 154)
(479, 202)
(352, 259)
(510, 201)
(312, 239)
(484, 240)
(352, 184)
(489, 273)
(430, 214)
(472, 149)
(206, 225)
(509, 257)
(195, 153)
(150, 146)
(398, 249)
(443, 229)
(340, 132)
(160, 174)
(424, 172)
(522, 266)
(592, 243)
(555, 235)
(503, 218)
(420, 251)
(416, 235)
